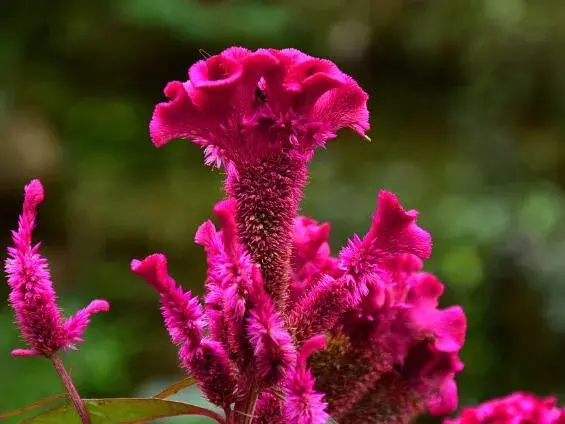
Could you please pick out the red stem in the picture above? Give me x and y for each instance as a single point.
(244, 410)
(71, 389)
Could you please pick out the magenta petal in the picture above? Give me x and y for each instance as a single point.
(450, 329)
(312, 88)
(177, 118)
(445, 401)
(394, 230)
(25, 352)
(217, 72)
(153, 269)
(344, 107)
(425, 290)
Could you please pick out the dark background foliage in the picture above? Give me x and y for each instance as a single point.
(467, 102)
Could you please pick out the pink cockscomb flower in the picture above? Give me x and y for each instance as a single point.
(262, 114)
(515, 408)
(275, 295)
(31, 291)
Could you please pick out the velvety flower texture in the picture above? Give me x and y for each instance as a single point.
(31, 291)
(516, 408)
(299, 335)
(261, 114)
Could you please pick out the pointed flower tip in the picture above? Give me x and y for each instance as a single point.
(98, 305)
(24, 352)
(153, 269)
(34, 194)
(397, 227)
(205, 234)
(313, 344)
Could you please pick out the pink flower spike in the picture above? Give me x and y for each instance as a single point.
(31, 291)
(273, 351)
(210, 365)
(229, 273)
(319, 309)
(75, 325)
(182, 312)
(302, 404)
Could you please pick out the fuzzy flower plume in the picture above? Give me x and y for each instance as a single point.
(392, 353)
(32, 295)
(262, 114)
(512, 409)
(303, 405)
(206, 359)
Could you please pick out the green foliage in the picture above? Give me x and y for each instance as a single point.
(114, 411)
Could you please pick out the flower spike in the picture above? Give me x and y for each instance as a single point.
(32, 295)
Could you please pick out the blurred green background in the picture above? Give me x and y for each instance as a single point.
(468, 107)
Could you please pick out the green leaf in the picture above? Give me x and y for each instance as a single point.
(122, 410)
(32, 406)
(175, 388)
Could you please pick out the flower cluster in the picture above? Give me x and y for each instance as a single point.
(286, 333)
(512, 409)
(32, 295)
(380, 349)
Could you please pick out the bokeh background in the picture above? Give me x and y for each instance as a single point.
(468, 107)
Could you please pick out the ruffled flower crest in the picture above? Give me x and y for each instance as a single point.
(241, 105)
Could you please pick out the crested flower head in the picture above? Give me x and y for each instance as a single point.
(392, 321)
(241, 105)
(515, 408)
(32, 295)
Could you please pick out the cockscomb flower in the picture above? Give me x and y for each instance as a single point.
(392, 354)
(262, 114)
(32, 295)
(517, 407)
(274, 293)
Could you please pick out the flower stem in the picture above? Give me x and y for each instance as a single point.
(71, 389)
(245, 410)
